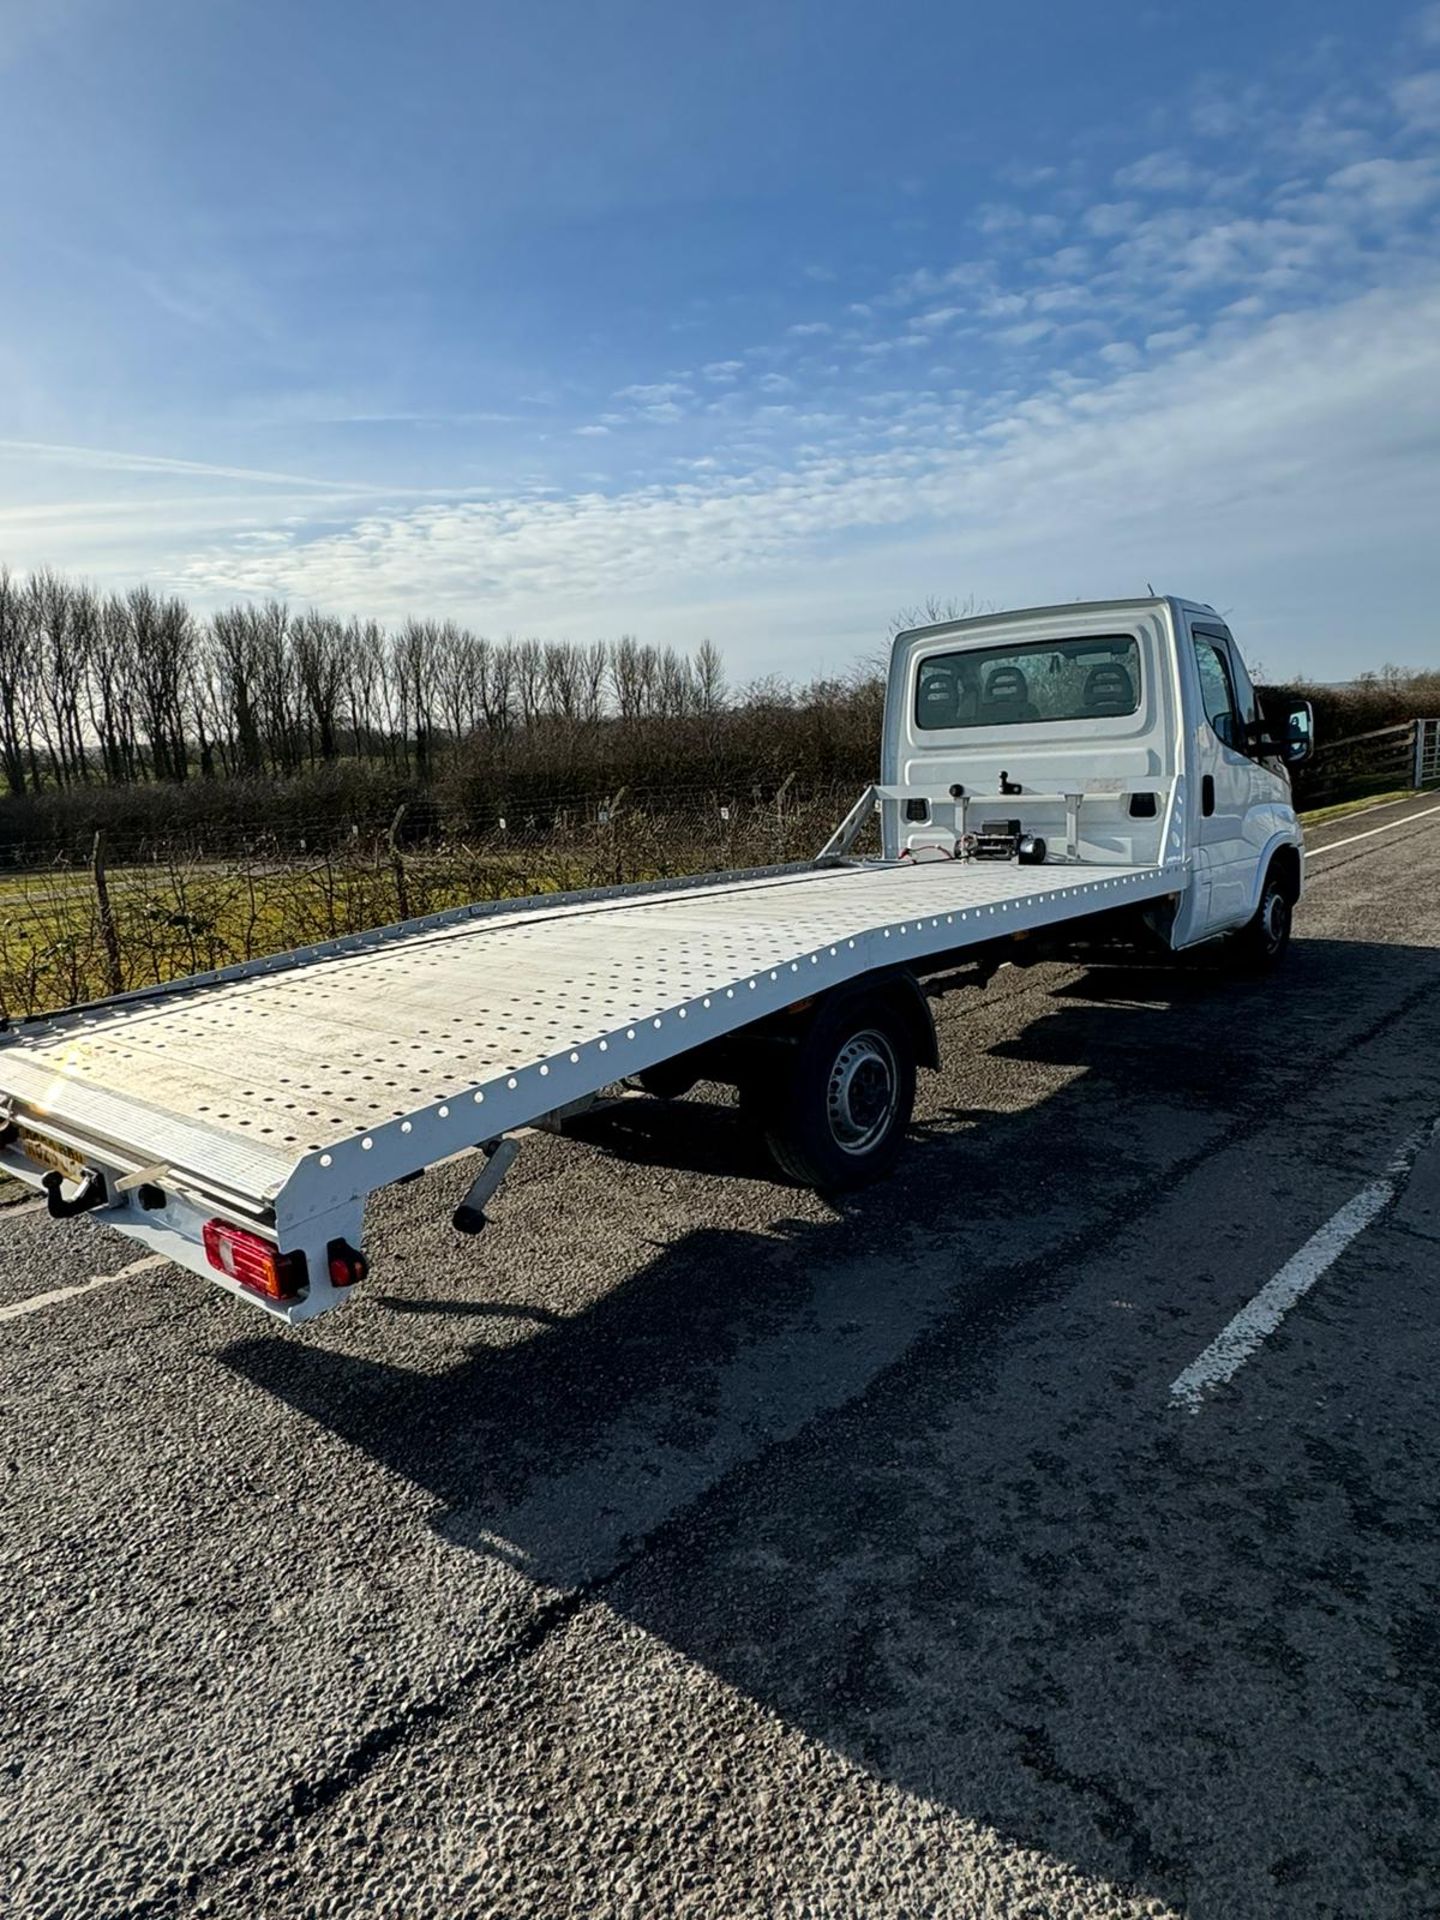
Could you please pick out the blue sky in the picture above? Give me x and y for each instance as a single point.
(760, 322)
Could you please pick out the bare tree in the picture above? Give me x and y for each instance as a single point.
(416, 655)
(707, 678)
(319, 648)
(277, 687)
(365, 646)
(594, 662)
(673, 690)
(207, 709)
(933, 611)
(164, 654)
(563, 680)
(110, 691)
(232, 644)
(530, 680)
(463, 668)
(62, 666)
(16, 679)
(498, 693)
(629, 677)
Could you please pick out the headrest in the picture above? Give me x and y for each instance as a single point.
(1110, 687)
(1004, 685)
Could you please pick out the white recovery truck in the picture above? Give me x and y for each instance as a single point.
(1057, 780)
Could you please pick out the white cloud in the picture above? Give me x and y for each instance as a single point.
(1221, 111)
(1056, 299)
(1026, 333)
(1390, 188)
(110, 460)
(1417, 99)
(1223, 458)
(936, 318)
(1167, 172)
(656, 393)
(1168, 338)
(806, 329)
(1111, 217)
(1004, 306)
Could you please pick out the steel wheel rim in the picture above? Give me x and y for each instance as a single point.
(863, 1092)
(1274, 921)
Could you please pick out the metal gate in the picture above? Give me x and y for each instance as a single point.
(1427, 751)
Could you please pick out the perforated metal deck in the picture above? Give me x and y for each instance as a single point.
(311, 1080)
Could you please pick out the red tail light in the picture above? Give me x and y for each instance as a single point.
(346, 1264)
(255, 1262)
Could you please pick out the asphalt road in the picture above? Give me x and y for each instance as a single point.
(689, 1547)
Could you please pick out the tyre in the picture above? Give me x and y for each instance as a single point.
(1262, 941)
(836, 1118)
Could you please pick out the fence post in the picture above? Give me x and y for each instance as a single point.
(109, 933)
(397, 864)
(614, 865)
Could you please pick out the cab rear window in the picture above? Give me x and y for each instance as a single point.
(1097, 678)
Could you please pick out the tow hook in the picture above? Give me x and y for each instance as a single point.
(90, 1195)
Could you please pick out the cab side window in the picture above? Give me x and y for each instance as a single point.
(1217, 690)
(1244, 690)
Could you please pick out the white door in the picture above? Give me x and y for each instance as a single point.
(1225, 777)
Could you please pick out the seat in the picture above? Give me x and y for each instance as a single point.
(1108, 690)
(1006, 699)
(939, 699)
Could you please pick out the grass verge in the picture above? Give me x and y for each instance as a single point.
(1318, 816)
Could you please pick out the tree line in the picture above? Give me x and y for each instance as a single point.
(120, 688)
(129, 713)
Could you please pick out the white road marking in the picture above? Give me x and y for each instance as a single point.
(1259, 1318)
(1313, 853)
(21, 1307)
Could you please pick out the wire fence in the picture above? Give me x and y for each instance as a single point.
(1407, 755)
(130, 915)
(73, 931)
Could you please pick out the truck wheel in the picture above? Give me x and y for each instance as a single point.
(1262, 941)
(837, 1117)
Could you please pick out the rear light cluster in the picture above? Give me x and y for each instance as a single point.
(255, 1262)
(258, 1264)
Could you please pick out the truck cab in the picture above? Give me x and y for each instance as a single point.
(1125, 732)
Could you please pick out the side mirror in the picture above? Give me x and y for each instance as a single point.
(1297, 733)
(1288, 736)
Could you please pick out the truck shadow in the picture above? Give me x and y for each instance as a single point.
(929, 1544)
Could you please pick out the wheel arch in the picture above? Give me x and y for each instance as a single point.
(1288, 867)
(900, 991)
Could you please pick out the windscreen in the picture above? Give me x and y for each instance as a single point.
(1097, 678)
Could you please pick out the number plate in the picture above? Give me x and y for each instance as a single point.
(46, 1154)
